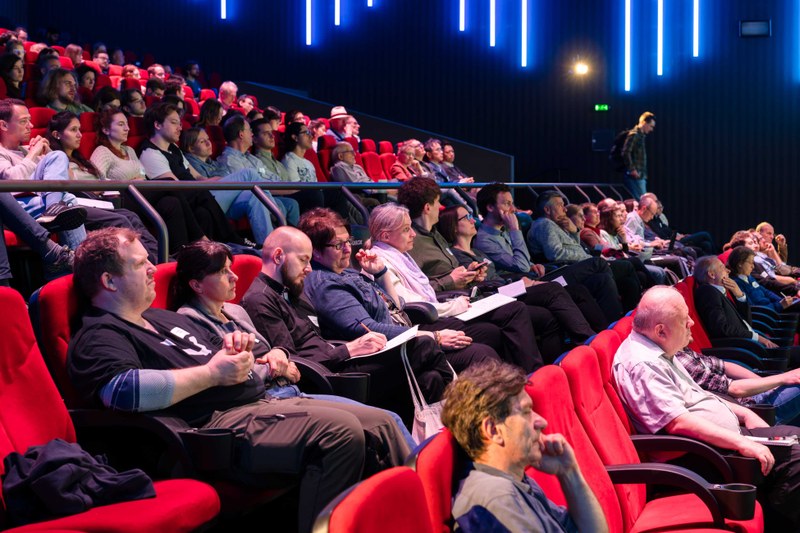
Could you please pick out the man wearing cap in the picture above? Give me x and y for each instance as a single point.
(341, 124)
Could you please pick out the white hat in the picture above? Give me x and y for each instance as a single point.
(339, 112)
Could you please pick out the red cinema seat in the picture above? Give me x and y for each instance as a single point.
(88, 144)
(372, 166)
(614, 446)
(247, 267)
(311, 155)
(40, 118)
(368, 145)
(88, 121)
(33, 413)
(165, 274)
(205, 94)
(385, 147)
(136, 125)
(188, 92)
(391, 501)
(102, 81)
(66, 63)
(353, 142)
(623, 327)
(58, 48)
(440, 462)
(85, 95)
(217, 140)
(2, 89)
(115, 70)
(326, 142)
(93, 65)
(387, 160)
(324, 157)
(549, 390)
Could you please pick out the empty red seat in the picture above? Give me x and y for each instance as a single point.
(136, 125)
(115, 70)
(371, 163)
(385, 147)
(353, 142)
(387, 160)
(368, 145)
(40, 118)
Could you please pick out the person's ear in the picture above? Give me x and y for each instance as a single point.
(278, 256)
(107, 281)
(195, 286)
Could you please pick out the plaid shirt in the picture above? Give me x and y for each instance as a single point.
(708, 372)
(634, 154)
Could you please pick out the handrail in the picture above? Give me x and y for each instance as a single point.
(136, 188)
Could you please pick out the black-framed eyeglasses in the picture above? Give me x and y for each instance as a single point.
(468, 216)
(304, 132)
(339, 245)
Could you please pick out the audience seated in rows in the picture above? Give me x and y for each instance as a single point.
(508, 329)
(548, 240)
(130, 357)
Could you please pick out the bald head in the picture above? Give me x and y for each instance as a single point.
(286, 257)
(286, 238)
(663, 317)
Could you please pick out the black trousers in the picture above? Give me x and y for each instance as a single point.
(122, 218)
(596, 276)
(16, 219)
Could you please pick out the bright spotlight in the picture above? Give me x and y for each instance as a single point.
(581, 68)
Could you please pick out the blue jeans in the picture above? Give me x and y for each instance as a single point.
(291, 391)
(637, 187)
(53, 166)
(786, 400)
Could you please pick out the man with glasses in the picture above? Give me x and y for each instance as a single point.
(345, 169)
(133, 103)
(635, 223)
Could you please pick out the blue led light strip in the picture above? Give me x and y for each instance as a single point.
(696, 29)
(524, 39)
(223, 9)
(660, 39)
(308, 22)
(462, 15)
(492, 23)
(337, 12)
(627, 45)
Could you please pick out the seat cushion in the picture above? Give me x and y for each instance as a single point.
(179, 505)
(675, 512)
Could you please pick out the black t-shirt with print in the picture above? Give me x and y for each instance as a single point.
(107, 345)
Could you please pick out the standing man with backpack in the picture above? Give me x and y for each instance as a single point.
(629, 155)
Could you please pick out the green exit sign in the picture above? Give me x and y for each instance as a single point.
(601, 107)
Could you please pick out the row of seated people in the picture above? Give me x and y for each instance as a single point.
(503, 437)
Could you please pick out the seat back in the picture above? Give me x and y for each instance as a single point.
(205, 94)
(385, 147)
(441, 464)
(31, 410)
(603, 426)
(368, 145)
(550, 392)
(387, 160)
(700, 338)
(247, 267)
(57, 309)
(391, 501)
(88, 144)
(164, 277)
(88, 121)
(311, 155)
(605, 346)
(326, 142)
(353, 142)
(372, 166)
(623, 327)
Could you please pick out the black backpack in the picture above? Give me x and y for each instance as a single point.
(615, 152)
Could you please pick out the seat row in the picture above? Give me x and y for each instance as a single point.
(579, 400)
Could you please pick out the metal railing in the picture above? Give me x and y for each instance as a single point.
(135, 190)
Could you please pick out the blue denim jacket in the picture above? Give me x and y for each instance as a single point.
(346, 301)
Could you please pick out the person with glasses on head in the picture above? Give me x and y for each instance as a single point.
(59, 91)
(297, 139)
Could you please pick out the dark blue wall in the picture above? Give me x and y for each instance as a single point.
(723, 154)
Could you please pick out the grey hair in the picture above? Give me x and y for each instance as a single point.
(702, 266)
(337, 151)
(386, 217)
